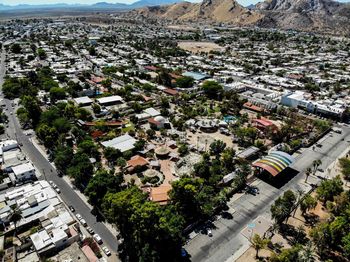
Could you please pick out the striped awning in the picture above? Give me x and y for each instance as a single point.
(275, 162)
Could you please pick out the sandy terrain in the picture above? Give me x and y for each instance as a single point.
(197, 47)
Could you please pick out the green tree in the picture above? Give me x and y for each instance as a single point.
(307, 203)
(100, 184)
(283, 206)
(346, 245)
(193, 199)
(80, 170)
(31, 104)
(15, 217)
(139, 221)
(57, 93)
(345, 167)
(63, 158)
(328, 189)
(212, 89)
(183, 149)
(217, 147)
(112, 154)
(184, 82)
(41, 53)
(316, 163)
(308, 172)
(259, 243)
(90, 148)
(48, 135)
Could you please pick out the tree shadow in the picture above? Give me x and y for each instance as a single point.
(293, 235)
(311, 219)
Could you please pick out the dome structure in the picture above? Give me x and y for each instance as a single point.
(160, 119)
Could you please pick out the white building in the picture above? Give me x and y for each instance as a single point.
(110, 100)
(297, 99)
(122, 143)
(22, 172)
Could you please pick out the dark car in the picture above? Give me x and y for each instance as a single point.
(71, 208)
(252, 190)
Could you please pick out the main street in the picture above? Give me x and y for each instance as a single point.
(68, 195)
(227, 242)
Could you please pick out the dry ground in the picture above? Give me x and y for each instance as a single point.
(197, 47)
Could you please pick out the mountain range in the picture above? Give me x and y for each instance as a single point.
(325, 16)
(96, 6)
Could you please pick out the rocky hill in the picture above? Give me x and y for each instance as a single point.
(307, 15)
(228, 11)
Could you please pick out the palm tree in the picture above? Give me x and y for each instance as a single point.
(308, 172)
(15, 216)
(316, 163)
(259, 243)
(307, 254)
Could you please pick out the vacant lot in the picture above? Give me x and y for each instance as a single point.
(197, 47)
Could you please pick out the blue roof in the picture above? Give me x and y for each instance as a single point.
(195, 75)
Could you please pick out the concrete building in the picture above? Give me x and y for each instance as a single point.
(297, 99)
(22, 172)
(110, 100)
(122, 143)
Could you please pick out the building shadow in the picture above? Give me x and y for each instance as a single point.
(281, 179)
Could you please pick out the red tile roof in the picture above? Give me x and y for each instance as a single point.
(253, 107)
(137, 161)
(170, 91)
(160, 194)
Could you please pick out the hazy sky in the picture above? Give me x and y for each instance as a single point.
(15, 2)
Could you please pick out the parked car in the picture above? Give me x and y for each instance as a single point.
(98, 239)
(252, 190)
(58, 190)
(210, 233)
(90, 230)
(106, 250)
(83, 222)
(71, 208)
(79, 217)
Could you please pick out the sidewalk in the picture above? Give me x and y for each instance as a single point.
(41, 149)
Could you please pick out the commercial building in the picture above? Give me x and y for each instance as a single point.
(327, 108)
(110, 100)
(122, 143)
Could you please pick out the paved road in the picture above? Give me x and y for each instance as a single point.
(227, 241)
(43, 165)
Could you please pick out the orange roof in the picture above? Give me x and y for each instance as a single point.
(137, 161)
(96, 134)
(253, 107)
(160, 194)
(151, 68)
(170, 91)
(96, 79)
(109, 123)
(89, 253)
(263, 122)
(146, 98)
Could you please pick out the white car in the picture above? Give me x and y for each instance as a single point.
(83, 222)
(106, 250)
(90, 230)
(51, 183)
(79, 217)
(98, 239)
(210, 233)
(58, 190)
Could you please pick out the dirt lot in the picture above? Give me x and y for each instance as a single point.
(197, 47)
